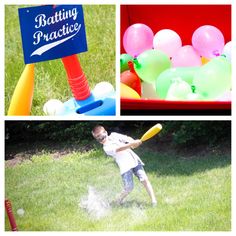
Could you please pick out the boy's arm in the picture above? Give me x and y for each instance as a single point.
(124, 138)
(129, 139)
(131, 144)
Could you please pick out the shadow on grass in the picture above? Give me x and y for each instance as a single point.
(161, 162)
(173, 164)
(130, 204)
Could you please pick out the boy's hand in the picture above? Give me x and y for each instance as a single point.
(136, 143)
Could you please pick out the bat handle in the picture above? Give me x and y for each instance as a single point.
(10, 215)
(76, 77)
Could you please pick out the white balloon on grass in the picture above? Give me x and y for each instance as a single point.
(20, 212)
(53, 107)
(103, 89)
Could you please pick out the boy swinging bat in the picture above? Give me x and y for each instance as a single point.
(119, 147)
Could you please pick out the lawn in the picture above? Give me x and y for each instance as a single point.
(194, 194)
(98, 62)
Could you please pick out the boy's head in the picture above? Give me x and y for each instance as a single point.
(99, 133)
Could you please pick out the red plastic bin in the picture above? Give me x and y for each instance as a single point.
(184, 19)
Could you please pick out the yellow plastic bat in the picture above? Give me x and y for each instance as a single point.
(151, 132)
(22, 97)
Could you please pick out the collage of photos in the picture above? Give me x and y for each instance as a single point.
(117, 117)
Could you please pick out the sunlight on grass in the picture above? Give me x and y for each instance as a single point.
(193, 195)
(98, 62)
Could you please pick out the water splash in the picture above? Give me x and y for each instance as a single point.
(137, 215)
(95, 204)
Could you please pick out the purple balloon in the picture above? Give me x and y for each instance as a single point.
(137, 39)
(208, 41)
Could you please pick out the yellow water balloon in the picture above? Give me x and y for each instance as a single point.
(204, 60)
(127, 92)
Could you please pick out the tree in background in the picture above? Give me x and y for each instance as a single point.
(180, 133)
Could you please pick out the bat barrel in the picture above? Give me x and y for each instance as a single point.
(151, 132)
(22, 97)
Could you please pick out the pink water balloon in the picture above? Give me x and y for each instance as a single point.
(167, 41)
(208, 41)
(186, 56)
(137, 39)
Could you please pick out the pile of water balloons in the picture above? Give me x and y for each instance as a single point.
(160, 67)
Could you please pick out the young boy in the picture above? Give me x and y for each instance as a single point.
(119, 147)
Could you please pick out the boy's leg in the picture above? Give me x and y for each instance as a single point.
(140, 173)
(146, 183)
(128, 182)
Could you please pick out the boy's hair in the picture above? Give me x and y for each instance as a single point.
(97, 129)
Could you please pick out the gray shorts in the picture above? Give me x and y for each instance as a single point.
(127, 177)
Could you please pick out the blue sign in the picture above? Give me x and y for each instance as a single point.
(51, 32)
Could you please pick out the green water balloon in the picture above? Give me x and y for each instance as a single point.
(149, 64)
(165, 79)
(124, 59)
(213, 79)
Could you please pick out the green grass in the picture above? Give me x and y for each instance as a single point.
(98, 62)
(193, 194)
